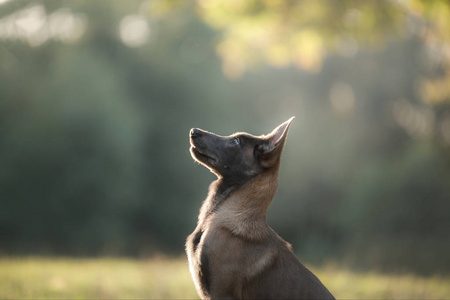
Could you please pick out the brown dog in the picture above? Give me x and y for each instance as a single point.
(232, 252)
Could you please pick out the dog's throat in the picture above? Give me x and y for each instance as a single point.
(223, 191)
(219, 191)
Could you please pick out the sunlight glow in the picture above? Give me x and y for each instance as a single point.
(308, 49)
(418, 121)
(33, 25)
(4, 1)
(134, 30)
(66, 26)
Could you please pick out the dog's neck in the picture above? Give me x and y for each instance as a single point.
(219, 190)
(242, 208)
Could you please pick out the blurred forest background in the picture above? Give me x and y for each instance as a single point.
(97, 99)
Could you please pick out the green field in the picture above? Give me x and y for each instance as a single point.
(163, 278)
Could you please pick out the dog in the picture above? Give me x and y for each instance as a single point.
(233, 253)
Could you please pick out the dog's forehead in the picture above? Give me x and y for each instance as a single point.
(245, 135)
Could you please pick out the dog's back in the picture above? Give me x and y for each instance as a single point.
(232, 252)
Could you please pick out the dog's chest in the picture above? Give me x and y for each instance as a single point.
(212, 256)
(220, 260)
(199, 262)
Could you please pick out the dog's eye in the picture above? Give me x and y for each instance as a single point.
(236, 141)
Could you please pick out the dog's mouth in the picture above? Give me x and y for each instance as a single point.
(201, 156)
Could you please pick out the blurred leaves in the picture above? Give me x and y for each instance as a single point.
(301, 33)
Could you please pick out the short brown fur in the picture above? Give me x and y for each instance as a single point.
(232, 252)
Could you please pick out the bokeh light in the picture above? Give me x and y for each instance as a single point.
(134, 30)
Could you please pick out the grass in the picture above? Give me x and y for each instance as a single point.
(163, 278)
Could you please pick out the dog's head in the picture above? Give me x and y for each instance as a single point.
(241, 155)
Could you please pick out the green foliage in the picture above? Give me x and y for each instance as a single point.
(402, 203)
(75, 145)
(300, 33)
(391, 189)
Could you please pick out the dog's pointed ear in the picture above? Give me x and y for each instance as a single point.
(272, 145)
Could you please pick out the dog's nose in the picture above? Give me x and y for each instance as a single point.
(195, 132)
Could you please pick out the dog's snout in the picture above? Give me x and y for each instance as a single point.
(195, 132)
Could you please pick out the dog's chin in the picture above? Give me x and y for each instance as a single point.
(200, 157)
